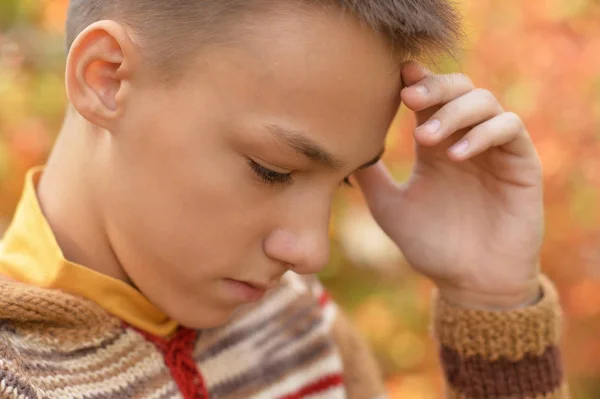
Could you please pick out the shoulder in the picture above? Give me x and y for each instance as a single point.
(40, 359)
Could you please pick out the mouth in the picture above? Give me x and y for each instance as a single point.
(247, 291)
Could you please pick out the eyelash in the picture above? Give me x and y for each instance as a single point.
(269, 176)
(272, 178)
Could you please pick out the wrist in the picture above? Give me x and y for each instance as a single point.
(492, 301)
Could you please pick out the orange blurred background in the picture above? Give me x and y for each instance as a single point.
(541, 58)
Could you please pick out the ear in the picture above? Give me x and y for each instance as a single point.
(100, 65)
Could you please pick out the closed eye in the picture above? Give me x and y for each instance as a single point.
(269, 176)
(272, 177)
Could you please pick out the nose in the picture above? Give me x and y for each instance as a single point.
(301, 244)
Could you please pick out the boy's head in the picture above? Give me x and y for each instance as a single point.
(211, 135)
(171, 32)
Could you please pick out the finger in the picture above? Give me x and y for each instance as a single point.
(413, 72)
(435, 90)
(376, 182)
(470, 109)
(505, 130)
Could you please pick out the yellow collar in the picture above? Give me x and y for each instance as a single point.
(30, 254)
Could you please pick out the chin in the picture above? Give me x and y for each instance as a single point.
(207, 318)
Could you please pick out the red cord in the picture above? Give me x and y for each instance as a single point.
(319, 386)
(178, 353)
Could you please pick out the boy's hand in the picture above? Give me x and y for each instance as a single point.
(470, 217)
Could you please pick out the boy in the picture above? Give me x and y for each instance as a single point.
(160, 253)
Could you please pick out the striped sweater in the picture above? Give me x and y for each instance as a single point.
(294, 344)
(69, 332)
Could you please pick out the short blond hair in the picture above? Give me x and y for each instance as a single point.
(416, 28)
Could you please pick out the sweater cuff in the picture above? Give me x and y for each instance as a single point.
(510, 354)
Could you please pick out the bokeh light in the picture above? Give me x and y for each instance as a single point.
(541, 58)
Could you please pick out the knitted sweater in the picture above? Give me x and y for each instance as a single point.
(67, 333)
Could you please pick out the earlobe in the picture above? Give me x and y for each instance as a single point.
(100, 64)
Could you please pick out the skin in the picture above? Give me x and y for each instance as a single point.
(158, 186)
(470, 217)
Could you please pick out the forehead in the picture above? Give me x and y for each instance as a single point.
(316, 72)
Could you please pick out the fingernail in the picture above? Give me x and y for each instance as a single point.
(460, 147)
(421, 89)
(431, 126)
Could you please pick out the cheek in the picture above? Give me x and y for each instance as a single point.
(197, 214)
(181, 198)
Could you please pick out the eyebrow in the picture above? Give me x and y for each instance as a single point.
(313, 151)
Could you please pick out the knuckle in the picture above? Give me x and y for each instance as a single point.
(536, 165)
(488, 97)
(485, 94)
(462, 79)
(432, 86)
(514, 120)
(430, 82)
(456, 83)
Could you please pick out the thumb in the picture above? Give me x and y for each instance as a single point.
(377, 185)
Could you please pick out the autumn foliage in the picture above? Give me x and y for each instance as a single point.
(542, 60)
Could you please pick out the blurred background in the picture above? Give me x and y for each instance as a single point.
(541, 58)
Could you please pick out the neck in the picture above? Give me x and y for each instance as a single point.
(69, 201)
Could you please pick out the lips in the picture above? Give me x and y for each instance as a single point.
(246, 291)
